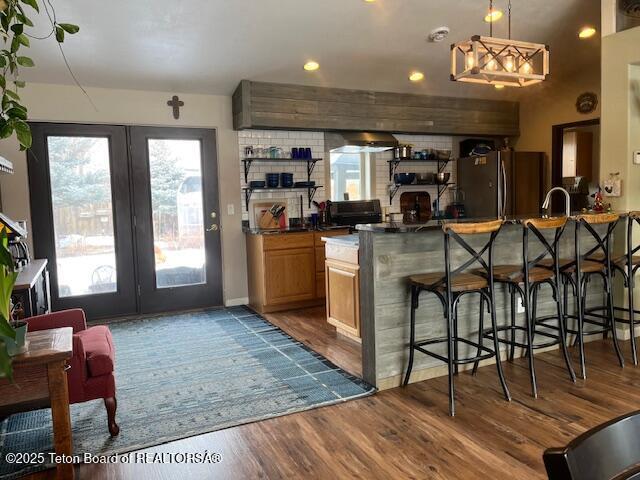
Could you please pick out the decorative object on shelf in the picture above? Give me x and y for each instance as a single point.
(247, 162)
(587, 103)
(613, 185)
(13, 114)
(273, 180)
(175, 103)
(442, 178)
(402, 152)
(495, 61)
(286, 180)
(417, 202)
(404, 178)
(598, 203)
(257, 184)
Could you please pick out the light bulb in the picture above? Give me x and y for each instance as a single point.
(526, 67)
(509, 63)
(469, 60)
(492, 64)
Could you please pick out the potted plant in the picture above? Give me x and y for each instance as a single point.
(14, 28)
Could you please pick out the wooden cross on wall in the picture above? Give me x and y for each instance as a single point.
(175, 103)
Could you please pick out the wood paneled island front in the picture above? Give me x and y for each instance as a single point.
(389, 253)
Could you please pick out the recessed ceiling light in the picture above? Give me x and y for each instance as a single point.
(493, 16)
(499, 87)
(587, 32)
(369, 1)
(311, 66)
(416, 76)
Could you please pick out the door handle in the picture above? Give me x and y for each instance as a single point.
(213, 228)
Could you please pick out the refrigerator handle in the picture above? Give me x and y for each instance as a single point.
(504, 189)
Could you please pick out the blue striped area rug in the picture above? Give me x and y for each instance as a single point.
(188, 374)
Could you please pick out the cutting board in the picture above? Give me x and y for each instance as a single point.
(408, 202)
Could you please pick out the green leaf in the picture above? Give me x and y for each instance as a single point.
(12, 94)
(23, 132)
(19, 83)
(3, 61)
(59, 34)
(17, 28)
(24, 19)
(6, 129)
(5, 362)
(32, 3)
(25, 62)
(18, 113)
(70, 28)
(6, 330)
(23, 39)
(3, 82)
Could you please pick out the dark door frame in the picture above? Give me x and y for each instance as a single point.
(124, 300)
(556, 147)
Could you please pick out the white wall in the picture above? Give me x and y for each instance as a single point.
(58, 103)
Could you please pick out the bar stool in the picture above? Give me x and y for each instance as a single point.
(528, 278)
(449, 287)
(627, 265)
(578, 272)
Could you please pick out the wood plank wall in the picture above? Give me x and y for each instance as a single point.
(262, 105)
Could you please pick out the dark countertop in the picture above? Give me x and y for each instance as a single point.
(393, 227)
(347, 240)
(280, 231)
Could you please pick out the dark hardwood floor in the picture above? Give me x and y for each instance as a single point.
(406, 432)
(309, 326)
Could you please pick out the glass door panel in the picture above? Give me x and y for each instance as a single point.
(175, 177)
(82, 208)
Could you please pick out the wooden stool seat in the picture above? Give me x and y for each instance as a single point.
(586, 266)
(462, 282)
(620, 260)
(515, 274)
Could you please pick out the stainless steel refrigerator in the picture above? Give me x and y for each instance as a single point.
(502, 183)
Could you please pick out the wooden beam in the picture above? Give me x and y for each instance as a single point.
(296, 107)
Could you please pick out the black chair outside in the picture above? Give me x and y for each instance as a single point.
(579, 271)
(526, 280)
(450, 287)
(608, 451)
(627, 265)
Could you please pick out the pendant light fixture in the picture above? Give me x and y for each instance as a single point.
(496, 61)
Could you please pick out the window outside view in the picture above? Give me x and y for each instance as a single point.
(176, 201)
(346, 176)
(82, 215)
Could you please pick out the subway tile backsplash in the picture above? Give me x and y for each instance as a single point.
(315, 140)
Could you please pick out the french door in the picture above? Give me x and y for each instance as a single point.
(126, 216)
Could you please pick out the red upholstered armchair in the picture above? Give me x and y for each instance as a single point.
(92, 365)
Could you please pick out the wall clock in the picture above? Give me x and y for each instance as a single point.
(587, 102)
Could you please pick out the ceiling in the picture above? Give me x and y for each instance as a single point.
(208, 46)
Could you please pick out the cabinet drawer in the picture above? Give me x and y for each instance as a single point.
(287, 240)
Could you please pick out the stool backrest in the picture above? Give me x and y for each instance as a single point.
(536, 226)
(603, 241)
(606, 451)
(456, 231)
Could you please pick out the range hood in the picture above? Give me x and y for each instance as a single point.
(359, 142)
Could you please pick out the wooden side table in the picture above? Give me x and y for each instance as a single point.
(40, 380)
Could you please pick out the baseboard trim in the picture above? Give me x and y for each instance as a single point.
(236, 302)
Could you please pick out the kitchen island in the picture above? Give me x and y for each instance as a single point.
(390, 253)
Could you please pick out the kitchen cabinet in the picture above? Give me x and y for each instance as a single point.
(342, 272)
(286, 270)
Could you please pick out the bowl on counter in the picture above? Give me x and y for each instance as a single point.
(442, 178)
(273, 180)
(404, 178)
(257, 184)
(396, 217)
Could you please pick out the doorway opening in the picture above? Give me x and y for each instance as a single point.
(575, 162)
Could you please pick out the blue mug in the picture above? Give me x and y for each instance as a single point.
(295, 153)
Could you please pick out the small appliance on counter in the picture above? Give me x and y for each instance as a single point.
(354, 212)
(456, 209)
(578, 188)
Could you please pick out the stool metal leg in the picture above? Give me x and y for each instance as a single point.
(455, 338)
(632, 325)
(528, 309)
(512, 347)
(412, 338)
(580, 337)
(562, 331)
(612, 318)
(496, 344)
(480, 336)
(450, 354)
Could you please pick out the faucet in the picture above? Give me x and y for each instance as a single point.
(547, 200)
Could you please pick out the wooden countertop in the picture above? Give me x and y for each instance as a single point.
(30, 274)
